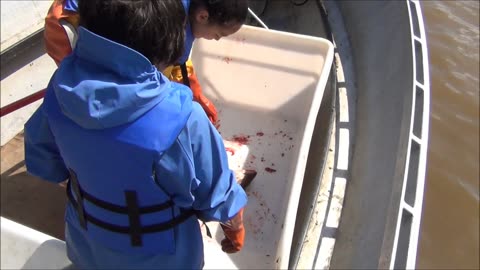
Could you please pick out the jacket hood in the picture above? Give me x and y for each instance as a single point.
(103, 84)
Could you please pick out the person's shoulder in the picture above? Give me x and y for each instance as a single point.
(198, 122)
(198, 114)
(181, 90)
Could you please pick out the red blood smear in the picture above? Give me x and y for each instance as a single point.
(231, 150)
(260, 134)
(270, 170)
(240, 139)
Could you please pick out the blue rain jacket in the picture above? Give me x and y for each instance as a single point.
(111, 117)
(72, 5)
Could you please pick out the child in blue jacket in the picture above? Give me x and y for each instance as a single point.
(143, 160)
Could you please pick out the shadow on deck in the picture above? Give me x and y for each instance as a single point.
(26, 199)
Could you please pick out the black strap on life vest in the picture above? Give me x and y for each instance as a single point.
(183, 68)
(135, 230)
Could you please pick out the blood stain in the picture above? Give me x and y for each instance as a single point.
(240, 139)
(260, 134)
(270, 170)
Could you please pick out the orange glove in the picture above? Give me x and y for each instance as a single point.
(207, 105)
(56, 40)
(234, 234)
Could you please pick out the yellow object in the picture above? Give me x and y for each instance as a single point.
(174, 73)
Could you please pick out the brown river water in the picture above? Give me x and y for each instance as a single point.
(449, 236)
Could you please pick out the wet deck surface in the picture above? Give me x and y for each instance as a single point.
(26, 199)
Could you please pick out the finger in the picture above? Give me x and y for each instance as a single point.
(226, 242)
(227, 247)
(231, 249)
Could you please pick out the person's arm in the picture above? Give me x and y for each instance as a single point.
(234, 233)
(57, 42)
(194, 84)
(42, 157)
(218, 196)
(227, 200)
(196, 167)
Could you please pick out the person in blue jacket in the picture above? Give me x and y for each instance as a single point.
(208, 19)
(142, 159)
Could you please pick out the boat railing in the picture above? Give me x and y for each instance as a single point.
(404, 252)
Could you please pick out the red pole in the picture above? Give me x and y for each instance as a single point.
(22, 102)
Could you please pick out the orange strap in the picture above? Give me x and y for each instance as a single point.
(57, 43)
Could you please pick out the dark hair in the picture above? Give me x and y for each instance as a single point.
(222, 12)
(155, 28)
